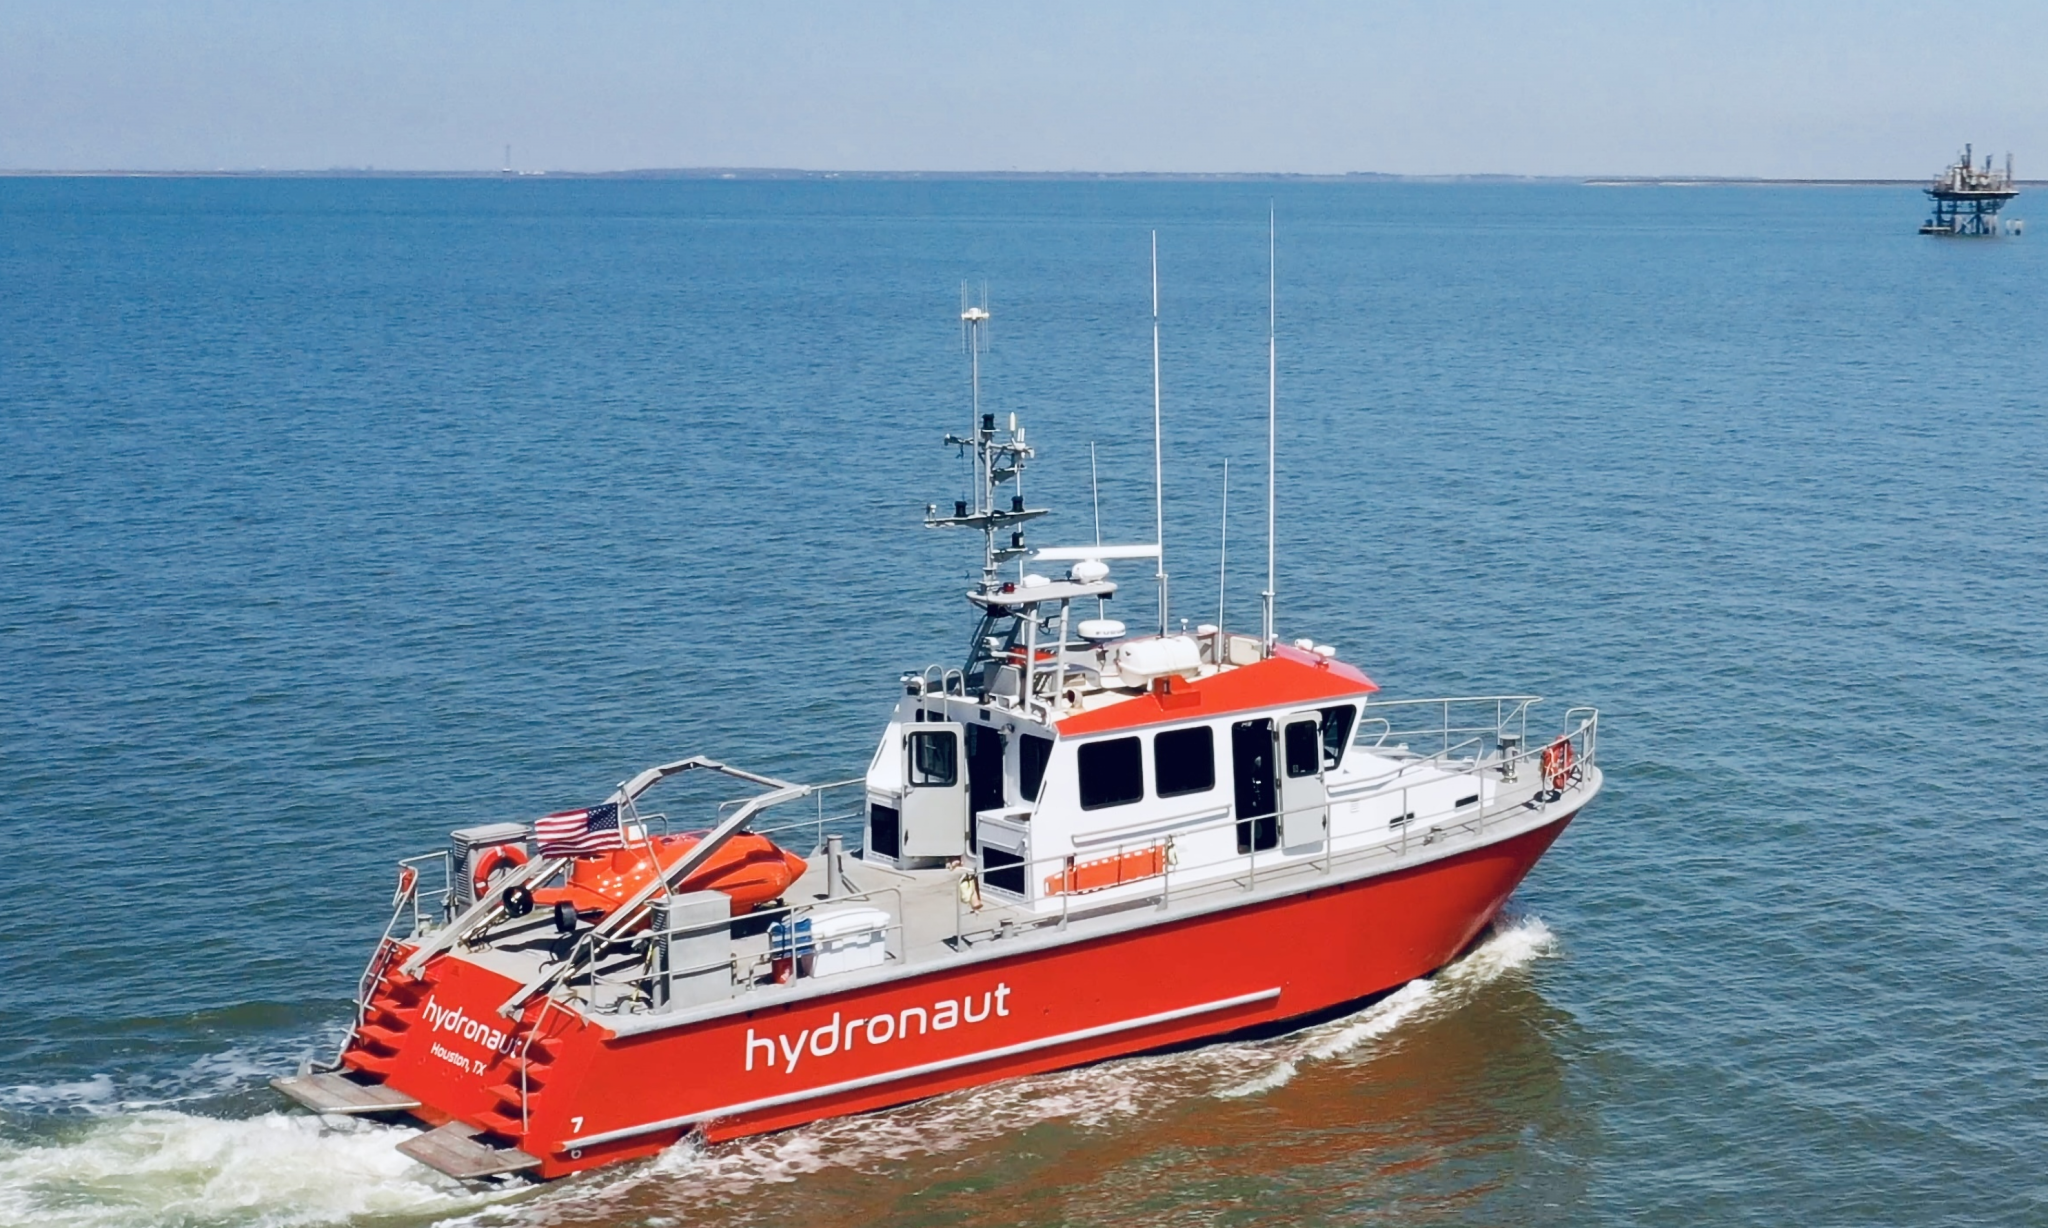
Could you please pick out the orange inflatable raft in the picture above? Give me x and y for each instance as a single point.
(751, 869)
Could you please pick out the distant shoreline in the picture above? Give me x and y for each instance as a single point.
(787, 174)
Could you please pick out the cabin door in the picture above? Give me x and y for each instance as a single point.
(1304, 799)
(934, 821)
(1251, 766)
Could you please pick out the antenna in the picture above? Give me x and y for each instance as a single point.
(1094, 492)
(1095, 497)
(1223, 567)
(1158, 484)
(973, 319)
(998, 456)
(1272, 403)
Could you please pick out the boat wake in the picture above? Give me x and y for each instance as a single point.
(164, 1166)
(1505, 950)
(177, 1147)
(102, 1159)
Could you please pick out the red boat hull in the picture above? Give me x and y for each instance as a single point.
(592, 1097)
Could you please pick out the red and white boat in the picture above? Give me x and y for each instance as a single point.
(1077, 844)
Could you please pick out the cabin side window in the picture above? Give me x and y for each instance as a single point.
(1337, 723)
(934, 759)
(1304, 748)
(1033, 753)
(1184, 762)
(1112, 773)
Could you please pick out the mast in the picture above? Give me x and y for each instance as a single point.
(1272, 408)
(998, 455)
(1158, 482)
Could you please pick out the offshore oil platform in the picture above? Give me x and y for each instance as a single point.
(1967, 198)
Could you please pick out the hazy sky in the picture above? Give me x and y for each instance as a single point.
(1570, 87)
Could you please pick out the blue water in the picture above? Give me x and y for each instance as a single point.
(335, 514)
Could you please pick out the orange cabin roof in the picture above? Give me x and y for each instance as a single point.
(1290, 678)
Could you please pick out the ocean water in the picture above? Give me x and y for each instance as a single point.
(335, 514)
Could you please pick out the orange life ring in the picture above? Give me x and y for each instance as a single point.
(1557, 763)
(495, 858)
(408, 878)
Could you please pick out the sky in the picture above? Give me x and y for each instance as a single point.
(1823, 89)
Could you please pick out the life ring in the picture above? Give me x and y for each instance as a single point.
(495, 858)
(408, 878)
(1557, 763)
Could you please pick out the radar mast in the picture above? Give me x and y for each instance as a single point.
(997, 505)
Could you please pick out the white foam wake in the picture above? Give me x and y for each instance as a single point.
(1508, 948)
(162, 1166)
(82, 1094)
(224, 1073)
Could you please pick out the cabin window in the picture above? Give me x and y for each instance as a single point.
(1304, 748)
(1337, 723)
(984, 769)
(1183, 762)
(1112, 773)
(1033, 753)
(934, 759)
(884, 830)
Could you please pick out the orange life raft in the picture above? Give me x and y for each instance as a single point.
(751, 869)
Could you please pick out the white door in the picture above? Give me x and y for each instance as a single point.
(934, 790)
(1304, 803)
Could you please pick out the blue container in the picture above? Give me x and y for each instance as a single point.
(787, 940)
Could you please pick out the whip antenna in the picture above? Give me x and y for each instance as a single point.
(1223, 568)
(1095, 497)
(1094, 492)
(1272, 402)
(1158, 482)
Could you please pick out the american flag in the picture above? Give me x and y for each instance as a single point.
(570, 833)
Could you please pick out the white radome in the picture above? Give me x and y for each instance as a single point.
(1099, 630)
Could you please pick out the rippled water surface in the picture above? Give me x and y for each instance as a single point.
(334, 514)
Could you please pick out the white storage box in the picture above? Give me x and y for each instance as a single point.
(844, 940)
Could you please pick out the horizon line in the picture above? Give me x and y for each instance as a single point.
(795, 173)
